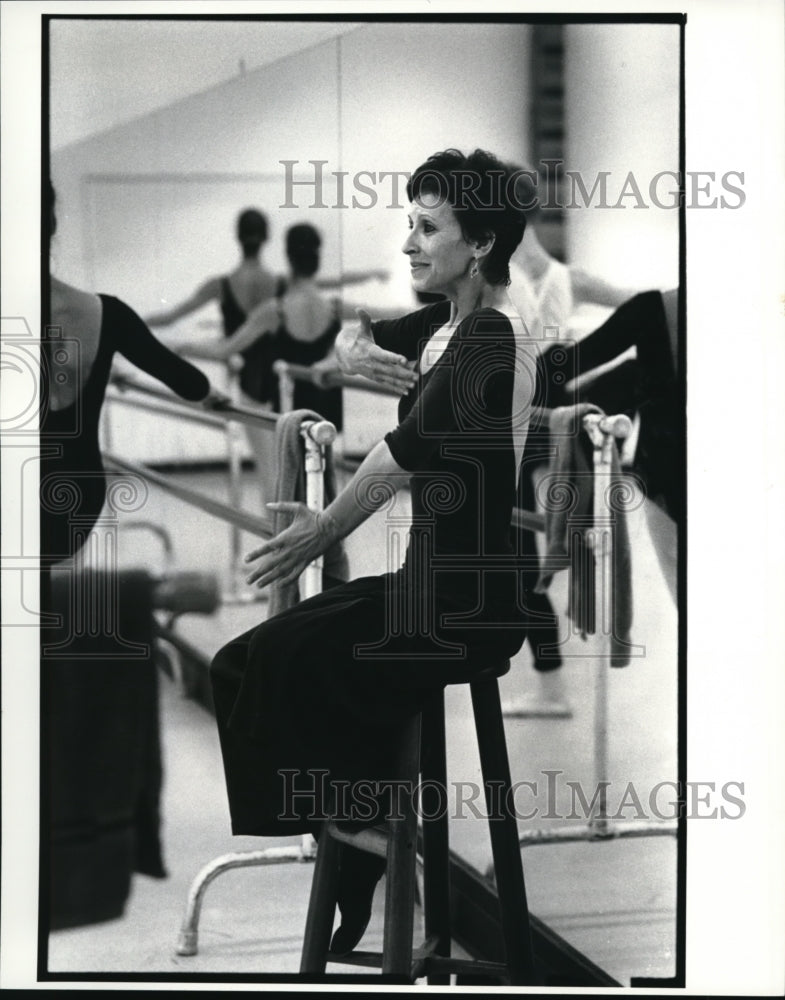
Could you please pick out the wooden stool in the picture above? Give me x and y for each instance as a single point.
(423, 754)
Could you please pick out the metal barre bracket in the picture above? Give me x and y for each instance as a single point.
(321, 432)
(187, 942)
(619, 425)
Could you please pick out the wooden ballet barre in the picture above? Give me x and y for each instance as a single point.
(317, 435)
(620, 426)
(527, 519)
(321, 432)
(580, 833)
(289, 373)
(187, 412)
(230, 411)
(241, 519)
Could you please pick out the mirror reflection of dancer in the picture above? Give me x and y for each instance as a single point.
(299, 325)
(298, 692)
(237, 293)
(242, 294)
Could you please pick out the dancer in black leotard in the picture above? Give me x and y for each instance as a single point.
(84, 333)
(101, 757)
(237, 294)
(242, 291)
(326, 684)
(299, 325)
(71, 458)
(242, 296)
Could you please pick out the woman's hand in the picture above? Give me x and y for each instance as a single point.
(322, 370)
(284, 557)
(357, 354)
(203, 350)
(215, 400)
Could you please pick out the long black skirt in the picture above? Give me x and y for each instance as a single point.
(313, 699)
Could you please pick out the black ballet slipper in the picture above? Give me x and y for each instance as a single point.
(360, 874)
(350, 932)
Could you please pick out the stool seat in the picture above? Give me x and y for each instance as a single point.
(422, 759)
(496, 669)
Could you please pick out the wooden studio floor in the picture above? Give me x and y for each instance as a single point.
(614, 901)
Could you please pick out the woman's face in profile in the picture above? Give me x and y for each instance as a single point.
(439, 256)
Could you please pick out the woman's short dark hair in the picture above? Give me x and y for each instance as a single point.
(524, 185)
(481, 190)
(251, 230)
(302, 249)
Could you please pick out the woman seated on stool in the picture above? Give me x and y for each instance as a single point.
(321, 690)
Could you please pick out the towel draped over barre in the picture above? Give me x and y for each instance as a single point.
(566, 525)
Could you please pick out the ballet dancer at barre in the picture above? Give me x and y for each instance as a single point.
(84, 333)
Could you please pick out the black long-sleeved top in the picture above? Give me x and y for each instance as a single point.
(461, 434)
(72, 477)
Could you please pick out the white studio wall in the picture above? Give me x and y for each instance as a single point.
(146, 210)
(381, 98)
(408, 90)
(152, 204)
(622, 116)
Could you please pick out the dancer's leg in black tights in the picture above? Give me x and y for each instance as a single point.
(359, 875)
(647, 385)
(543, 625)
(640, 323)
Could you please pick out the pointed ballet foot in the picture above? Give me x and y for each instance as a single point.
(360, 874)
(350, 932)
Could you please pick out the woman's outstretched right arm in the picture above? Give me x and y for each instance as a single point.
(310, 534)
(210, 291)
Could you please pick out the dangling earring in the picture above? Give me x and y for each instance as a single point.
(474, 269)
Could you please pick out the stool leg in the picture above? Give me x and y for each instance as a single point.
(401, 863)
(321, 904)
(504, 833)
(435, 832)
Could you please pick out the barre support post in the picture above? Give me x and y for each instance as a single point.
(234, 365)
